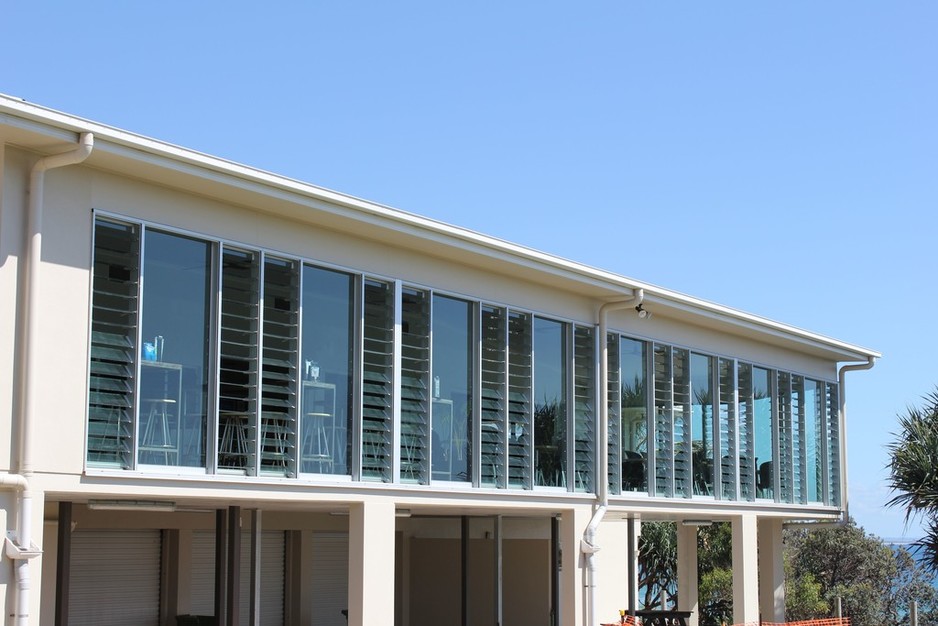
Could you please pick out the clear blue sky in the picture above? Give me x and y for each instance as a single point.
(780, 158)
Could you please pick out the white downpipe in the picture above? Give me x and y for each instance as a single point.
(588, 543)
(23, 549)
(841, 390)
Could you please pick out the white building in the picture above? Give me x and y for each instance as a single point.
(353, 407)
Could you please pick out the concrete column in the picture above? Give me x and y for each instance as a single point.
(771, 571)
(745, 570)
(573, 581)
(613, 565)
(371, 563)
(687, 596)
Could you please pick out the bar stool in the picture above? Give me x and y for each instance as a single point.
(317, 448)
(157, 436)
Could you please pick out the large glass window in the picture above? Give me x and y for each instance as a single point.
(550, 403)
(175, 333)
(702, 426)
(762, 425)
(634, 418)
(327, 362)
(452, 389)
(747, 462)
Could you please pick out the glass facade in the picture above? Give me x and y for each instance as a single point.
(217, 358)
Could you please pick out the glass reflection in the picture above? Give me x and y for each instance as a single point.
(550, 404)
(762, 423)
(702, 424)
(451, 389)
(325, 443)
(634, 401)
(174, 353)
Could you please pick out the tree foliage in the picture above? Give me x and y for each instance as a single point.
(914, 472)
(875, 582)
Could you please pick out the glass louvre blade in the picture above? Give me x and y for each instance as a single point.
(785, 438)
(814, 435)
(797, 440)
(415, 384)
(664, 425)
(682, 423)
(113, 340)
(613, 390)
(377, 376)
(494, 370)
(278, 368)
(584, 385)
(747, 463)
(833, 443)
(238, 367)
(728, 429)
(519, 399)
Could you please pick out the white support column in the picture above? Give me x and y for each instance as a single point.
(687, 596)
(371, 563)
(771, 571)
(745, 570)
(572, 577)
(613, 565)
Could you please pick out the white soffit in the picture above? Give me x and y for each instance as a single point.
(47, 131)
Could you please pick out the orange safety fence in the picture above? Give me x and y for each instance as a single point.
(631, 620)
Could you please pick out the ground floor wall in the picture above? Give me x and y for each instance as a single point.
(377, 561)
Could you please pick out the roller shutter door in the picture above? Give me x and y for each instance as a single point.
(330, 578)
(272, 576)
(115, 578)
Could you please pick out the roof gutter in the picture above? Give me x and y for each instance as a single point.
(588, 544)
(22, 549)
(853, 367)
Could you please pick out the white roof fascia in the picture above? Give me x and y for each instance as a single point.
(64, 127)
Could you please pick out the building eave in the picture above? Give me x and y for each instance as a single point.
(44, 130)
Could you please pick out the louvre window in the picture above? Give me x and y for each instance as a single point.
(278, 440)
(729, 450)
(520, 415)
(833, 443)
(113, 344)
(377, 380)
(415, 383)
(494, 391)
(238, 370)
(664, 423)
(798, 483)
(785, 438)
(584, 384)
(614, 414)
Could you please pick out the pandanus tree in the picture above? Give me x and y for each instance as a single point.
(914, 472)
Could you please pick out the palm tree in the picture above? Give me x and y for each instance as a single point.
(914, 472)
